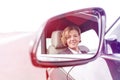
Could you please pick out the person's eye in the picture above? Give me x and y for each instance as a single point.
(75, 35)
(68, 37)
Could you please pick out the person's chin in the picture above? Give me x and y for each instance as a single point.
(73, 47)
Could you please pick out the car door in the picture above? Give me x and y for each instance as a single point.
(111, 52)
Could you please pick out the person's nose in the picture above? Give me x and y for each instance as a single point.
(72, 38)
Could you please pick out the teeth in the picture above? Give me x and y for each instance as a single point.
(72, 43)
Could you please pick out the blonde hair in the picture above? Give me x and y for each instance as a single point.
(66, 31)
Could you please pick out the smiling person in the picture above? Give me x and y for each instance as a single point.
(71, 37)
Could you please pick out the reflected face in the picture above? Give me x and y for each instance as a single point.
(73, 39)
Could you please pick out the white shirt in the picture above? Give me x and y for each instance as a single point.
(75, 52)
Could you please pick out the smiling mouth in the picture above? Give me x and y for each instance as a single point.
(73, 43)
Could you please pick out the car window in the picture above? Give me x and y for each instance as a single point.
(90, 40)
(112, 38)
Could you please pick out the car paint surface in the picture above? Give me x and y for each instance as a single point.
(15, 63)
(95, 70)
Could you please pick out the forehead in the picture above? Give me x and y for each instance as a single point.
(73, 32)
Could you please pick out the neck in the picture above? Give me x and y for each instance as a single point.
(76, 49)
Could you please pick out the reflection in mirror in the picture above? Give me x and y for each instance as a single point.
(58, 42)
(89, 43)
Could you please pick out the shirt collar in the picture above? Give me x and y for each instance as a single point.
(75, 52)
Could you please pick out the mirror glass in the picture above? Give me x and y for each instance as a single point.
(79, 41)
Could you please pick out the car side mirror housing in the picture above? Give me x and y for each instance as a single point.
(47, 45)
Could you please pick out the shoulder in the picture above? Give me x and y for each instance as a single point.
(66, 51)
(83, 49)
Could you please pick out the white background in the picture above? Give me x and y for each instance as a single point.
(28, 15)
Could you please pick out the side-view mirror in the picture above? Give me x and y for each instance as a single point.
(49, 50)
